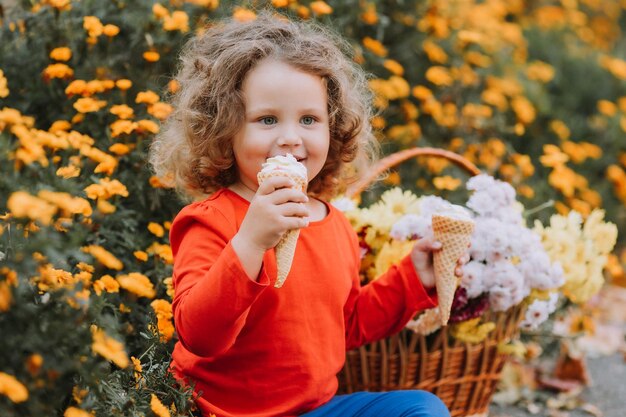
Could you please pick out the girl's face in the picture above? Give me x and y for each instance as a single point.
(286, 112)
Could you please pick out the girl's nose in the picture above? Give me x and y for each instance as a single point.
(288, 137)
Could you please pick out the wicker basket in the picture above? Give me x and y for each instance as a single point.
(463, 375)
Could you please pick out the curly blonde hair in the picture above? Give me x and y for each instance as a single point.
(194, 149)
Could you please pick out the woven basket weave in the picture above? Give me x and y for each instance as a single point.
(464, 376)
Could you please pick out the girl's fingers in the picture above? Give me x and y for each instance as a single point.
(275, 183)
(285, 195)
(294, 210)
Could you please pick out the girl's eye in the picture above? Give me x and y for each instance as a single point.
(268, 120)
(308, 120)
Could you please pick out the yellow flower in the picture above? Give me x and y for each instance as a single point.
(158, 408)
(471, 331)
(156, 229)
(77, 412)
(103, 256)
(110, 30)
(57, 71)
(163, 311)
(148, 97)
(439, 75)
(4, 90)
(88, 105)
(137, 284)
(22, 204)
(151, 56)
(12, 388)
(106, 283)
(108, 348)
(320, 7)
(390, 254)
(376, 47)
(123, 84)
(122, 111)
(242, 14)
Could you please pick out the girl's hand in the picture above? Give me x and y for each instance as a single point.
(275, 208)
(422, 257)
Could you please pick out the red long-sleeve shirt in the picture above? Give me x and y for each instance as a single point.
(256, 350)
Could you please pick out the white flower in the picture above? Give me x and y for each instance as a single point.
(472, 279)
(538, 311)
(411, 226)
(344, 204)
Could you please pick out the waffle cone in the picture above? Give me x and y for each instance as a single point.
(286, 247)
(454, 235)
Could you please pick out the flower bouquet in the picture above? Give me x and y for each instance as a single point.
(509, 282)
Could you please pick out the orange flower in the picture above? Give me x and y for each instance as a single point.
(163, 312)
(106, 283)
(158, 408)
(540, 71)
(151, 56)
(607, 107)
(6, 297)
(179, 20)
(156, 229)
(148, 97)
(12, 388)
(88, 105)
(376, 47)
(560, 128)
(615, 66)
(394, 67)
(108, 348)
(93, 26)
(22, 204)
(106, 188)
(439, 76)
(122, 111)
(147, 126)
(280, 3)
(242, 14)
(76, 412)
(122, 127)
(123, 84)
(523, 109)
(103, 256)
(60, 126)
(137, 284)
(141, 255)
(159, 11)
(61, 54)
(119, 149)
(160, 110)
(173, 86)
(434, 52)
(110, 30)
(369, 15)
(320, 7)
(4, 90)
(61, 71)
(446, 183)
(553, 157)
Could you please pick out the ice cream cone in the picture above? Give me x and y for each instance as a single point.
(286, 248)
(454, 235)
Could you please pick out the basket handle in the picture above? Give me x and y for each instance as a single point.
(401, 156)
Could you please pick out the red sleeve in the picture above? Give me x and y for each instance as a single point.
(213, 293)
(384, 306)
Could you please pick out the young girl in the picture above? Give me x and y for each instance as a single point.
(250, 91)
